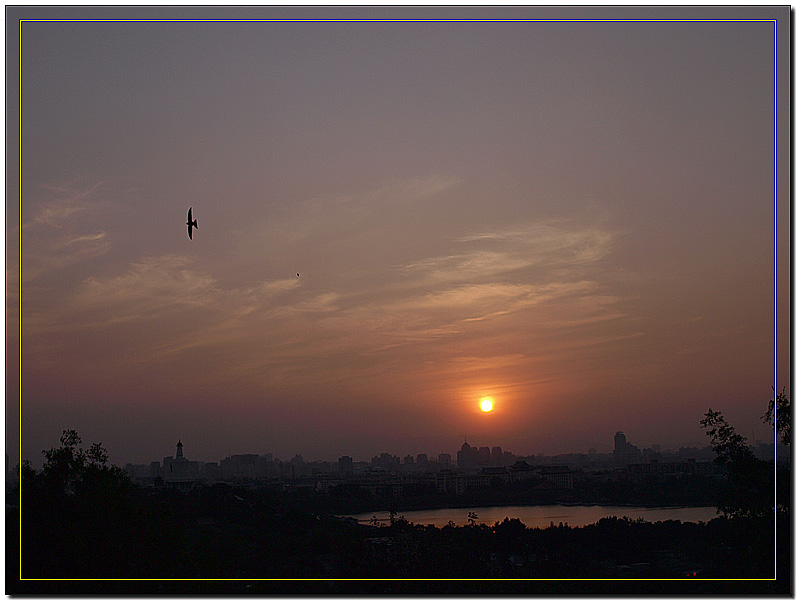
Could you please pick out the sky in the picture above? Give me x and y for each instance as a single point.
(587, 221)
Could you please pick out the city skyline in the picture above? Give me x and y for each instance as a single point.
(574, 215)
(452, 455)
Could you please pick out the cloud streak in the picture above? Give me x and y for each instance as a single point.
(497, 253)
(60, 232)
(527, 274)
(66, 202)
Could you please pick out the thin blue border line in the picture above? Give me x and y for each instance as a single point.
(20, 300)
(393, 21)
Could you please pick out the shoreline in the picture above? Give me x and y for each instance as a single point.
(432, 515)
(468, 505)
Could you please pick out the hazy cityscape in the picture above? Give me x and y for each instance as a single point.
(255, 504)
(470, 466)
(385, 299)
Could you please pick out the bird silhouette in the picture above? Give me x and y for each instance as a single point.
(191, 224)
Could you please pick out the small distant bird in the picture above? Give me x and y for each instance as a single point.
(191, 224)
(297, 274)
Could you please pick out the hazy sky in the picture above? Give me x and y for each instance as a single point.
(575, 218)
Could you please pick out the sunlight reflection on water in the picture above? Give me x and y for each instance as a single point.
(541, 516)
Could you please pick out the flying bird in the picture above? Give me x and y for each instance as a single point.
(191, 224)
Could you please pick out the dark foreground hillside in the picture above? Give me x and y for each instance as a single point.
(224, 532)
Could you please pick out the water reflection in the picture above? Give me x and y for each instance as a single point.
(541, 516)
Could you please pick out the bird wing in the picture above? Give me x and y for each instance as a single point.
(190, 232)
(189, 213)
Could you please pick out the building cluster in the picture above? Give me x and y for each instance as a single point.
(420, 464)
(625, 453)
(177, 471)
(389, 475)
(385, 475)
(471, 457)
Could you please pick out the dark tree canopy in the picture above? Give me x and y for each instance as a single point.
(729, 446)
(69, 469)
(749, 490)
(779, 406)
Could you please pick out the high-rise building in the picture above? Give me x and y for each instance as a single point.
(466, 457)
(624, 452)
(239, 465)
(484, 455)
(345, 465)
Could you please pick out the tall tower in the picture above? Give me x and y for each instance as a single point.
(466, 457)
(179, 449)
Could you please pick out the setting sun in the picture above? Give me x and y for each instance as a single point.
(486, 404)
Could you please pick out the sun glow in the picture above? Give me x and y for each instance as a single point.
(486, 403)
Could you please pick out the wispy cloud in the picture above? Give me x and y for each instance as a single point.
(497, 252)
(151, 287)
(483, 293)
(156, 287)
(61, 232)
(66, 202)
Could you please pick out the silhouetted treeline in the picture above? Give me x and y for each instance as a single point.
(228, 532)
(83, 519)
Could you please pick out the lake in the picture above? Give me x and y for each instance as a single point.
(540, 516)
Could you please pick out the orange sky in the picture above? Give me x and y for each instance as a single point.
(394, 220)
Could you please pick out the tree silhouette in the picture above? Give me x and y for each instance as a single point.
(780, 405)
(71, 470)
(749, 491)
(64, 463)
